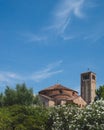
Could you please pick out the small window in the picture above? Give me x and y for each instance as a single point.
(85, 77)
(93, 77)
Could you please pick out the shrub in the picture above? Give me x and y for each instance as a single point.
(73, 118)
(90, 118)
(61, 116)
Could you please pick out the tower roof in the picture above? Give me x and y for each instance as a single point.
(88, 72)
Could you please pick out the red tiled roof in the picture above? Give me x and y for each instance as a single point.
(57, 87)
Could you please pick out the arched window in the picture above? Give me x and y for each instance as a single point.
(60, 91)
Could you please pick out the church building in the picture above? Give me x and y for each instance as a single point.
(59, 94)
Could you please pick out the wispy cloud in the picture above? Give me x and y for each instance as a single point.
(31, 37)
(49, 71)
(94, 37)
(96, 34)
(44, 74)
(5, 76)
(61, 19)
(10, 78)
(92, 3)
(64, 12)
(65, 37)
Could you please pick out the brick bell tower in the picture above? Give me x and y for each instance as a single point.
(88, 86)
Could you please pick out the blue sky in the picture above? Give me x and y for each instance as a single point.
(44, 42)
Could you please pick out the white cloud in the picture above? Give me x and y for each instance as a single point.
(44, 75)
(5, 76)
(10, 78)
(55, 64)
(63, 17)
(30, 37)
(64, 11)
(47, 72)
(65, 37)
(60, 21)
(95, 35)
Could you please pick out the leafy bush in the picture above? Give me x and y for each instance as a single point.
(73, 118)
(66, 117)
(90, 118)
(23, 118)
(60, 117)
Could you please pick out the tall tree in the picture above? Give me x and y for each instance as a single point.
(9, 96)
(21, 95)
(1, 100)
(24, 95)
(100, 92)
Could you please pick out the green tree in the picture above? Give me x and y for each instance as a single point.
(24, 95)
(9, 96)
(27, 117)
(37, 100)
(22, 117)
(1, 100)
(100, 92)
(21, 95)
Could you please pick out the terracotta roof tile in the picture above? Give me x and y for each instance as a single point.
(57, 86)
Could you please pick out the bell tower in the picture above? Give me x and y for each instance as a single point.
(88, 86)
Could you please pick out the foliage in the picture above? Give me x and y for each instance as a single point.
(5, 119)
(23, 118)
(18, 112)
(90, 118)
(1, 99)
(37, 100)
(60, 117)
(21, 95)
(100, 92)
(73, 118)
(10, 96)
(66, 117)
